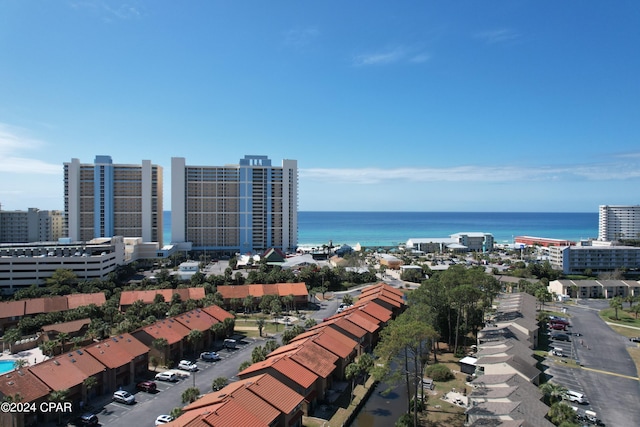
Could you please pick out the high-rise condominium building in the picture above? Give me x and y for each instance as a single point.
(104, 199)
(249, 207)
(33, 225)
(617, 222)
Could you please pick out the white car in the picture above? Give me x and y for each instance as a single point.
(163, 419)
(166, 376)
(125, 397)
(187, 365)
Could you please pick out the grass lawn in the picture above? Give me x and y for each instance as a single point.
(439, 412)
(624, 317)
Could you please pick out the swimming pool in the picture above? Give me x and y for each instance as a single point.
(6, 366)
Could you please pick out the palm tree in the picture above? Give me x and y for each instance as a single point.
(48, 348)
(195, 337)
(218, 329)
(161, 345)
(553, 392)
(11, 336)
(62, 338)
(260, 323)
(59, 396)
(616, 304)
(19, 364)
(89, 384)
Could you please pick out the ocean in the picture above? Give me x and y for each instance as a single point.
(391, 228)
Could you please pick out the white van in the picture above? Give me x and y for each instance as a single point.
(229, 343)
(574, 396)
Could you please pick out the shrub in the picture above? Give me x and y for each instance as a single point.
(439, 372)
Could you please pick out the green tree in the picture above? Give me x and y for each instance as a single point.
(218, 330)
(19, 364)
(404, 349)
(351, 372)
(560, 413)
(10, 337)
(161, 344)
(89, 384)
(347, 299)
(260, 323)
(59, 396)
(552, 392)
(616, 304)
(636, 310)
(219, 383)
(176, 412)
(195, 338)
(190, 395)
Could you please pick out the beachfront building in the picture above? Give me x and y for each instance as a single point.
(597, 259)
(617, 222)
(104, 199)
(458, 242)
(33, 225)
(248, 207)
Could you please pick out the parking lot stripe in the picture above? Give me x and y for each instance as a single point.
(611, 373)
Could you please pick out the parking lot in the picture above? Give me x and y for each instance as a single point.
(168, 394)
(605, 372)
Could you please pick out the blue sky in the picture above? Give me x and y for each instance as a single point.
(401, 106)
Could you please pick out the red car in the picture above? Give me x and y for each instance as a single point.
(148, 386)
(558, 326)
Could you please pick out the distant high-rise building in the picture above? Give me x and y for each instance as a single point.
(104, 199)
(33, 225)
(617, 222)
(247, 207)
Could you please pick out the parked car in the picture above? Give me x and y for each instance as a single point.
(574, 396)
(428, 383)
(560, 337)
(209, 356)
(88, 419)
(187, 365)
(557, 326)
(229, 343)
(124, 396)
(634, 339)
(166, 376)
(163, 419)
(148, 386)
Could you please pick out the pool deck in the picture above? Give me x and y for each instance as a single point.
(32, 356)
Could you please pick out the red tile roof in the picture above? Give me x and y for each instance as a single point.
(67, 327)
(46, 305)
(147, 297)
(67, 370)
(196, 319)
(168, 329)
(258, 291)
(375, 310)
(12, 309)
(307, 353)
(23, 382)
(286, 366)
(117, 351)
(79, 300)
(239, 393)
(217, 312)
(274, 392)
(330, 339)
(232, 414)
(349, 327)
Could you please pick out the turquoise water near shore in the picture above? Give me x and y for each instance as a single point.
(391, 228)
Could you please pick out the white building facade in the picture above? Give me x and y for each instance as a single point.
(598, 259)
(248, 207)
(24, 265)
(104, 199)
(617, 222)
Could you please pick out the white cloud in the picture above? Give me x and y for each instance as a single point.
(475, 174)
(300, 37)
(502, 35)
(380, 58)
(390, 56)
(13, 142)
